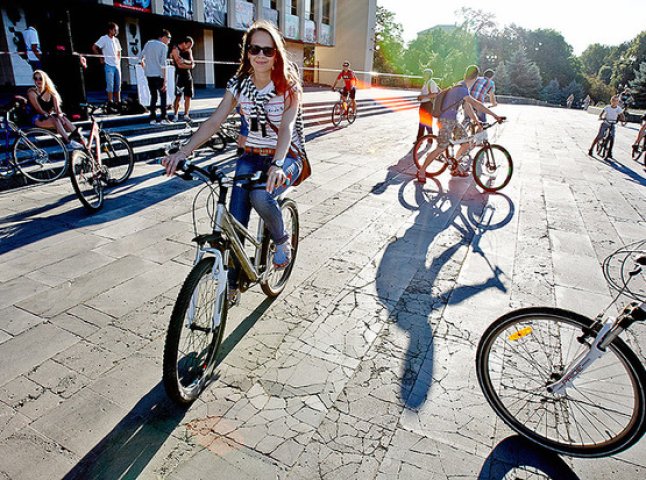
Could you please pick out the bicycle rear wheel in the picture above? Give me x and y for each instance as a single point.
(40, 155)
(118, 157)
(275, 279)
(192, 342)
(637, 152)
(602, 413)
(86, 181)
(423, 147)
(492, 168)
(337, 114)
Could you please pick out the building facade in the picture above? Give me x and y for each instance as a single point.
(317, 32)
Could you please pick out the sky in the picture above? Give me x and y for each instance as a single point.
(581, 22)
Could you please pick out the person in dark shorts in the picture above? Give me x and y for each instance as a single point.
(182, 55)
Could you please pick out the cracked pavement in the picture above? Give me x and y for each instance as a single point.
(364, 368)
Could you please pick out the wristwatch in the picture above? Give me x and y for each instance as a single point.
(279, 163)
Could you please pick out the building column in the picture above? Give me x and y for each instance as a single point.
(157, 6)
(198, 11)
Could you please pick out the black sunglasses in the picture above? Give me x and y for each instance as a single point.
(266, 51)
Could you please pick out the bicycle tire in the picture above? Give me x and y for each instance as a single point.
(275, 280)
(337, 114)
(424, 146)
(352, 115)
(518, 339)
(87, 183)
(488, 166)
(217, 142)
(184, 379)
(118, 157)
(40, 155)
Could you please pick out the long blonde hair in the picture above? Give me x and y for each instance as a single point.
(47, 86)
(284, 75)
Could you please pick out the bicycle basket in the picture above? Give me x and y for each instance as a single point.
(623, 274)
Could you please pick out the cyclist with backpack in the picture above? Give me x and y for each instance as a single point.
(445, 108)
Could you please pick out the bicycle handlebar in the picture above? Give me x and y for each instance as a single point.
(213, 174)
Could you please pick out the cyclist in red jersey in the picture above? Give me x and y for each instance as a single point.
(349, 84)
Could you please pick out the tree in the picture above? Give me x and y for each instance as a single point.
(552, 93)
(594, 57)
(524, 75)
(553, 55)
(599, 91)
(447, 52)
(502, 79)
(574, 88)
(477, 21)
(605, 74)
(389, 44)
(638, 86)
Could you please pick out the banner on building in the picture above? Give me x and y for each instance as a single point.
(271, 15)
(179, 8)
(310, 32)
(244, 14)
(138, 5)
(215, 12)
(326, 35)
(292, 23)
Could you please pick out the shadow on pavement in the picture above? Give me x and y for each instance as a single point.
(24, 228)
(407, 286)
(518, 458)
(128, 449)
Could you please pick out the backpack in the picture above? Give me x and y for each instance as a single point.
(438, 103)
(21, 45)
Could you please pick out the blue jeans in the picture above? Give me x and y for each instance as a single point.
(112, 79)
(265, 203)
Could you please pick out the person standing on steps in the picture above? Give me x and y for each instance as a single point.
(108, 46)
(153, 58)
(182, 55)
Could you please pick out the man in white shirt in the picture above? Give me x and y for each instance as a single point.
(153, 58)
(428, 93)
(108, 46)
(34, 54)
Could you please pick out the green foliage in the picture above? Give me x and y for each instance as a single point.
(524, 75)
(552, 55)
(605, 74)
(594, 57)
(638, 86)
(389, 44)
(502, 79)
(447, 52)
(576, 89)
(552, 93)
(598, 90)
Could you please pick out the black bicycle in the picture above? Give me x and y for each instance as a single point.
(228, 134)
(639, 149)
(604, 146)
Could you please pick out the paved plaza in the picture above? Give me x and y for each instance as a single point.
(364, 368)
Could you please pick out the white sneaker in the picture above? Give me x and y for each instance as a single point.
(153, 122)
(166, 121)
(74, 145)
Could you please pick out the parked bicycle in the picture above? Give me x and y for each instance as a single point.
(604, 146)
(491, 166)
(199, 317)
(228, 134)
(565, 381)
(106, 160)
(36, 153)
(343, 109)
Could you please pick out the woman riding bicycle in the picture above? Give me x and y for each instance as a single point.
(268, 91)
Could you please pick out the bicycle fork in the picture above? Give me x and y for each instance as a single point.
(219, 275)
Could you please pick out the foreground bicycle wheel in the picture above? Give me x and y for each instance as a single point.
(352, 114)
(423, 147)
(492, 168)
(276, 278)
(118, 157)
(40, 155)
(636, 153)
(87, 181)
(192, 342)
(602, 413)
(337, 114)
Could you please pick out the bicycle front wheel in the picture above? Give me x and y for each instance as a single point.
(275, 279)
(423, 147)
(192, 341)
(40, 155)
(352, 114)
(492, 168)
(337, 114)
(118, 158)
(602, 413)
(87, 181)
